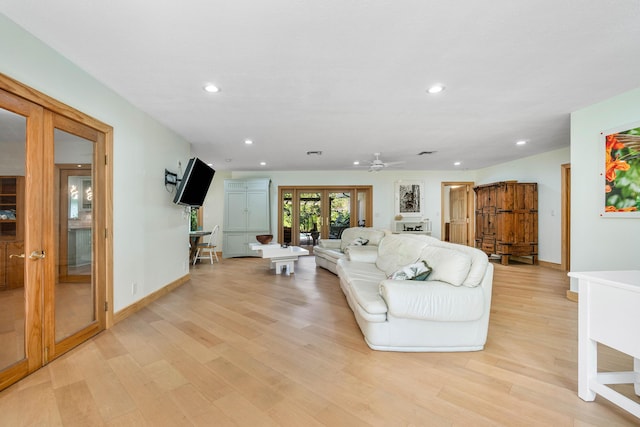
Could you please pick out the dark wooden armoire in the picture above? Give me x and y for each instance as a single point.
(507, 220)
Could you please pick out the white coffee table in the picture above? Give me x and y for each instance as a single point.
(280, 257)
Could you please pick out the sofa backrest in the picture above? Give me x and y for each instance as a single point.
(373, 235)
(396, 251)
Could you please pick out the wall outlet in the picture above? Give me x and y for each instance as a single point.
(134, 288)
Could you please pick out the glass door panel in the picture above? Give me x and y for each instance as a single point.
(286, 218)
(339, 213)
(12, 290)
(74, 292)
(362, 208)
(310, 217)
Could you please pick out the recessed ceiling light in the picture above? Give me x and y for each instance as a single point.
(435, 89)
(248, 141)
(356, 163)
(521, 142)
(457, 163)
(211, 88)
(209, 164)
(228, 160)
(263, 163)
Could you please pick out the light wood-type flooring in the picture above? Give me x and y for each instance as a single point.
(239, 346)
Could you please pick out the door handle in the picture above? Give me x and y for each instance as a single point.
(36, 255)
(16, 256)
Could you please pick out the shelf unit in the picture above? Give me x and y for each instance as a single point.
(11, 207)
(411, 226)
(11, 231)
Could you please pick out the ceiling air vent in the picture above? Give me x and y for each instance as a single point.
(314, 153)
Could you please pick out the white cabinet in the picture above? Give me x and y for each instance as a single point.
(246, 214)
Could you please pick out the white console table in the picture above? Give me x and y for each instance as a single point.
(608, 313)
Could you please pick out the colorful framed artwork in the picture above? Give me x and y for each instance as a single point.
(621, 172)
(409, 198)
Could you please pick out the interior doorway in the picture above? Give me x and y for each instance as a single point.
(457, 206)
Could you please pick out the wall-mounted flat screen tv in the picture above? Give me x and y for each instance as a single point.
(194, 184)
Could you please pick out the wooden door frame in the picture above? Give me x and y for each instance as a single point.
(565, 174)
(62, 172)
(33, 269)
(103, 175)
(470, 208)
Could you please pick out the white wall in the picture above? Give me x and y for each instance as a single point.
(545, 170)
(599, 243)
(383, 189)
(150, 245)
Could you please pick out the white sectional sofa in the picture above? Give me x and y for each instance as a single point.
(329, 251)
(449, 311)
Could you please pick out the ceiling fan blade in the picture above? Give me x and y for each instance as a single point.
(400, 162)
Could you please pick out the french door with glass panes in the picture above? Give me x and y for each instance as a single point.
(53, 272)
(307, 214)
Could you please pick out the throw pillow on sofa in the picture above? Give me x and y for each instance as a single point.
(418, 271)
(447, 265)
(359, 242)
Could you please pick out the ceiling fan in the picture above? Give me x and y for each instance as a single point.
(377, 165)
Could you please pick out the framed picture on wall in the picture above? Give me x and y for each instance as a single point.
(621, 174)
(409, 198)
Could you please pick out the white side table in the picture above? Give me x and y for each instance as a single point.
(608, 313)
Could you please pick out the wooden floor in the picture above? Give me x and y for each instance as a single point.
(240, 346)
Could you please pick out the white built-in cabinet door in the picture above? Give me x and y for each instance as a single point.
(246, 214)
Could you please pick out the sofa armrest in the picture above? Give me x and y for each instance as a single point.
(362, 253)
(329, 243)
(432, 300)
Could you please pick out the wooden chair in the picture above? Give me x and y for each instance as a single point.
(207, 249)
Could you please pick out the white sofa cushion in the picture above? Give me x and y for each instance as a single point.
(447, 265)
(479, 262)
(397, 251)
(432, 300)
(362, 253)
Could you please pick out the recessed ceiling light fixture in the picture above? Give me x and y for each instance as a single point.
(248, 141)
(435, 89)
(263, 163)
(457, 163)
(211, 88)
(521, 142)
(356, 163)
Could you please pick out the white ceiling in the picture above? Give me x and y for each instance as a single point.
(348, 77)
